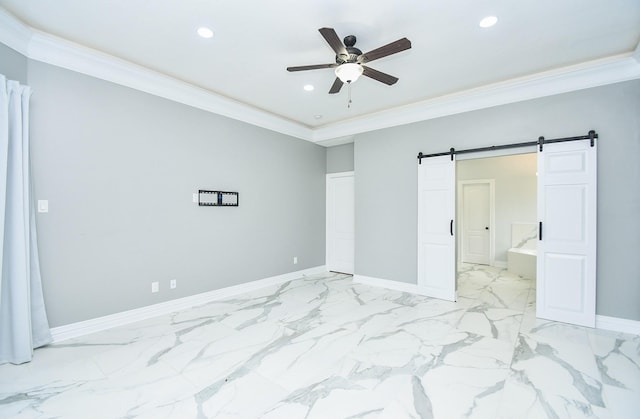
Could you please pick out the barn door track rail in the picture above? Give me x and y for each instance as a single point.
(592, 135)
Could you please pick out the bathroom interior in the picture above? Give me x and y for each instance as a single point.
(511, 222)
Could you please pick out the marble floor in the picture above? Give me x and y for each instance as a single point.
(326, 347)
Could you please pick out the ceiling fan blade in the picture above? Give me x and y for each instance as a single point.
(383, 51)
(337, 85)
(311, 67)
(379, 75)
(330, 35)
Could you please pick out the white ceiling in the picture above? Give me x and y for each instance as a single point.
(255, 40)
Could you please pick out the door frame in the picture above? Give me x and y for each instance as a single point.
(328, 220)
(592, 206)
(460, 217)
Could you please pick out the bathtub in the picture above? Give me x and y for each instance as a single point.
(522, 262)
(522, 257)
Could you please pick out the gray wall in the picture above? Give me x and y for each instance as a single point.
(516, 187)
(119, 168)
(385, 160)
(340, 158)
(12, 64)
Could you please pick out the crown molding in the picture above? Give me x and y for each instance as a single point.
(44, 47)
(336, 141)
(50, 49)
(62, 53)
(567, 79)
(13, 33)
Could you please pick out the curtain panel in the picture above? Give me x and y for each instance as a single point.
(23, 320)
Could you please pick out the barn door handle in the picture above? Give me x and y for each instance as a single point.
(540, 230)
(451, 227)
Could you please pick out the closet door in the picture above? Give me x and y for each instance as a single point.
(436, 214)
(566, 283)
(340, 222)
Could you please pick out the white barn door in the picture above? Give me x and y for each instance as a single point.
(436, 214)
(566, 283)
(340, 222)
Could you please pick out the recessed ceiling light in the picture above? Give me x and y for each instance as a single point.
(317, 116)
(488, 21)
(205, 32)
(308, 87)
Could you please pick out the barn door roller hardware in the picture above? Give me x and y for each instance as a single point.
(591, 136)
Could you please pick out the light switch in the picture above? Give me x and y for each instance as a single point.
(43, 205)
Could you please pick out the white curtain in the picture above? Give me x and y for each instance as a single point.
(23, 320)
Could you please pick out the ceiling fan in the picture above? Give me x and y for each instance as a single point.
(349, 59)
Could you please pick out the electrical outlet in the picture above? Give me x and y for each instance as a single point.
(173, 283)
(43, 205)
(195, 198)
(155, 287)
(295, 260)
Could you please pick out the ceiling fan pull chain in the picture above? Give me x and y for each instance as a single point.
(349, 103)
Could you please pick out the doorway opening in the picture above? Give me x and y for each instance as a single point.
(497, 216)
(566, 226)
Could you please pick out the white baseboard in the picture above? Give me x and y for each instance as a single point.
(86, 327)
(386, 283)
(617, 324)
(602, 322)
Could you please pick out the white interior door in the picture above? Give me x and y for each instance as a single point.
(476, 219)
(340, 222)
(566, 283)
(436, 213)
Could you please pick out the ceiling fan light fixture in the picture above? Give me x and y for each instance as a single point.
(349, 61)
(349, 72)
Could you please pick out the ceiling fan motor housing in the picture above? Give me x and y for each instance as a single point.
(352, 52)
